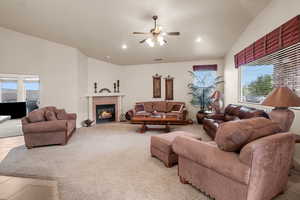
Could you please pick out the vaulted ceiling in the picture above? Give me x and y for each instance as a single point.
(99, 28)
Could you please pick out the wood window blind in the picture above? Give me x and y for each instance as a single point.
(205, 67)
(286, 64)
(282, 37)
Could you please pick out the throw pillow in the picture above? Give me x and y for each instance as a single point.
(139, 107)
(50, 116)
(234, 135)
(36, 116)
(177, 108)
(228, 118)
(61, 114)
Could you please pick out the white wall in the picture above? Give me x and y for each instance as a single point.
(105, 74)
(274, 15)
(82, 86)
(55, 64)
(138, 86)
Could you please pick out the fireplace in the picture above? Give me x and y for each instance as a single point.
(105, 113)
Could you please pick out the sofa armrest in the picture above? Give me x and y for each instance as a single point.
(24, 121)
(46, 126)
(71, 116)
(219, 116)
(270, 160)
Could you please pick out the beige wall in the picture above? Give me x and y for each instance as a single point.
(55, 64)
(275, 14)
(104, 73)
(137, 81)
(62, 70)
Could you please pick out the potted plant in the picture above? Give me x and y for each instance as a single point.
(201, 89)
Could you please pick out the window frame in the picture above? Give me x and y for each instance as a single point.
(240, 88)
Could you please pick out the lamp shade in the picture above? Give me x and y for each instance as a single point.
(282, 97)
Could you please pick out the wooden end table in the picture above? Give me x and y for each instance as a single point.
(151, 120)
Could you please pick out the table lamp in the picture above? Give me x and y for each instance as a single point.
(281, 99)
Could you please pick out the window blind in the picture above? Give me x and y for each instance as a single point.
(282, 37)
(205, 67)
(286, 64)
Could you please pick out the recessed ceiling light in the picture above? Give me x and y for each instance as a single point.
(199, 39)
(124, 46)
(107, 57)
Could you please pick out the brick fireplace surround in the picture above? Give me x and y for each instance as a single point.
(103, 99)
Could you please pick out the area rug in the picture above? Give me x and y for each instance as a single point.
(108, 162)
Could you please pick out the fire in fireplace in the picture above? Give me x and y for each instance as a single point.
(105, 113)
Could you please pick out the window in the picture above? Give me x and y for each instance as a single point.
(9, 90)
(280, 69)
(32, 92)
(205, 78)
(256, 82)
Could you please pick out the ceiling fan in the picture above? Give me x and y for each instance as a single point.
(157, 35)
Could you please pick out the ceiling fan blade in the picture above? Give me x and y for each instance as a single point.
(173, 33)
(140, 33)
(142, 41)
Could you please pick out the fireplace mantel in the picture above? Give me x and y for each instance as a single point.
(106, 95)
(105, 98)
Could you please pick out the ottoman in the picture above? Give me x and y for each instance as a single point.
(161, 147)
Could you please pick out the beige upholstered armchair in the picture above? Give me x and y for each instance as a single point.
(259, 171)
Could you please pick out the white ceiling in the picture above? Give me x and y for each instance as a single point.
(100, 27)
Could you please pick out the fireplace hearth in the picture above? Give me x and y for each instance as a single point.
(105, 113)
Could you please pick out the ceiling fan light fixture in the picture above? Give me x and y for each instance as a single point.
(150, 42)
(160, 40)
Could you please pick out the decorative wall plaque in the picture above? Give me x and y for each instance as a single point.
(157, 86)
(169, 88)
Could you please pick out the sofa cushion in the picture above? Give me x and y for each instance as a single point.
(164, 142)
(248, 112)
(148, 106)
(37, 116)
(232, 109)
(170, 104)
(177, 108)
(160, 106)
(139, 107)
(50, 115)
(50, 108)
(233, 135)
(228, 117)
(61, 114)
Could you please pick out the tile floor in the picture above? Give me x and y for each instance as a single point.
(17, 188)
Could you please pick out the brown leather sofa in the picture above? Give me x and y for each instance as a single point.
(257, 169)
(170, 108)
(48, 126)
(232, 112)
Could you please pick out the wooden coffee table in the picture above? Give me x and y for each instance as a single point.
(149, 120)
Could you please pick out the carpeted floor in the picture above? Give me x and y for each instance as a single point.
(10, 128)
(113, 162)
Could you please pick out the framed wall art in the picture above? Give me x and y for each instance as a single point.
(169, 81)
(156, 86)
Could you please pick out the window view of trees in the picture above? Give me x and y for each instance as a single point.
(256, 82)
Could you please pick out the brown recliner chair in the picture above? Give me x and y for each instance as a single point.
(39, 132)
(253, 167)
(232, 112)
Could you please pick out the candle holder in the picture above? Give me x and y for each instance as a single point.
(118, 86)
(95, 87)
(115, 88)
